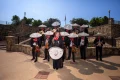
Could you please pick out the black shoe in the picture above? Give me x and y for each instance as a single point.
(44, 59)
(100, 59)
(56, 68)
(74, 61)
(67, 59)
(32, 59)
(97, 59)
(35, 61)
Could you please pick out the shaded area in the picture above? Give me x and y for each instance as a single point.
(104, 65)
(86, 68)
(43, 66)
(64, 74)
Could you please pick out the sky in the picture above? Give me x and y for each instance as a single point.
(45, 9)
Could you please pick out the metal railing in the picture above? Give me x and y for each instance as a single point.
(116, 22)
(5, 22)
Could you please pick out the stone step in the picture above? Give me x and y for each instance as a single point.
(2, 47)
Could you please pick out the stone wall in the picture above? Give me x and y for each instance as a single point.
(23, 30)
(115, 30)
(118, 42)
(109, 30)
(104, 29)
(90, 52)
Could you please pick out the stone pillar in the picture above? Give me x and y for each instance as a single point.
(111, 21)
(10, 33)
(118, 42)
(10, 42)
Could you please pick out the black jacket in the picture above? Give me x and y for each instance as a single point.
(31, 42)
(49, 41)
(85, 42)
(101, 40)
(66, 40)
(39, 41)
(57, 43)
(75, 41)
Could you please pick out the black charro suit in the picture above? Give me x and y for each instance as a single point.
(70, 49)
(99, 48)
(58, 43)
(46, 49)
(34, 55)
(83, 47)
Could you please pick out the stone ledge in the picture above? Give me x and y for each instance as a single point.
(90, 52)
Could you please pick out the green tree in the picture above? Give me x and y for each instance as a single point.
(28, 20)
(79, 21)
(97, 21)
(15, 20)
(37, 22)
(105, 20)
(49, 21)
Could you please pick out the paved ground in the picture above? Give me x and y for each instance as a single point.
(18, 66)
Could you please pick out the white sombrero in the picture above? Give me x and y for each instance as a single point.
(99, 34)
(83, 34)
(48, 33)
(55, 24)
(55, 52)
(42, 26)
(73, 35)
(75, 24)
(64, 34)
(68, 27)
(35, 35)
(84, 26)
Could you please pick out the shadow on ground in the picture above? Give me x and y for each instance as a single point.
(88, 67)
(64, 74)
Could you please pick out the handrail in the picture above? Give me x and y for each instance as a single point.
(25, 41)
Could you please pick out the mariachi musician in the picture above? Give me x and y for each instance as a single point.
(99, 42)
(42, 38)
(72, 46)
(48, 40)
(69, 31)
(57, 42)
(65, 39)
(83, 42)
(35, 48)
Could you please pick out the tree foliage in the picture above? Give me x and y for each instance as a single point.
(49, 21)
(15, 20)
(97, 21)
(28, 20)
(79, 21)
(37, 22)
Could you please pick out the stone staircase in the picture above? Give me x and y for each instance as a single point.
(2, 45)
